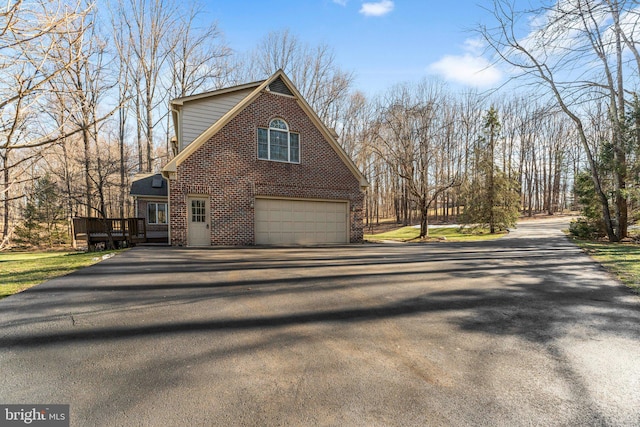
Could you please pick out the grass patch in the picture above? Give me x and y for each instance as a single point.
(621, 259)
(22, 270)
(453, 234)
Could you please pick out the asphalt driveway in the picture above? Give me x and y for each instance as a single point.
(525, 330)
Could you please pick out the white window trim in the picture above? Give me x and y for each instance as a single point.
(166, 213)
(288, 132)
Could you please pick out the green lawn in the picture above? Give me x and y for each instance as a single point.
(22, 270)
(621, 259)
(449, 233)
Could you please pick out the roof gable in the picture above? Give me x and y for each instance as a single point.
(198, 96)
(277, 83)
(279, 86)
(149, 185)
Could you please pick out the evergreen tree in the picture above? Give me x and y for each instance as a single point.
(632, 133)
(590, 225)
(28, 232)
(492, 198)
(42, 215)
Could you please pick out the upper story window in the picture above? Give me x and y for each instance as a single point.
(277, 143)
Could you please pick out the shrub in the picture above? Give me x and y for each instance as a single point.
(585, 228)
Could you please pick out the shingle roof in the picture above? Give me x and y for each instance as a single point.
(151, 185)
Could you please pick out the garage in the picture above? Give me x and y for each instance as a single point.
(300, 222)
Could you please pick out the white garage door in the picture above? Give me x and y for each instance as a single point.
(283, 222)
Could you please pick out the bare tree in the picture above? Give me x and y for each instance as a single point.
(149, 29)
(313, 70)
(409, 137)
(123, 49)
(197, 62)
(80, 91)
(31, 31)
(575, 50)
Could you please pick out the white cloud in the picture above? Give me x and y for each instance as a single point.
(340, 2)
(474, 45)
(377, 9)
(470, 68)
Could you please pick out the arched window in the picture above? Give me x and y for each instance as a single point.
(278, 143)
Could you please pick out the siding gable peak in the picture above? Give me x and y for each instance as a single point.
(278, 83)
(279, 86)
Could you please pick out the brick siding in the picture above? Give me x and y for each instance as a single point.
(226, 169)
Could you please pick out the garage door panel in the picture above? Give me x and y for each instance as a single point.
(300, 221)
(276, 226)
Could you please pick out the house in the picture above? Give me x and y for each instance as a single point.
(150, 194)
(256, 165)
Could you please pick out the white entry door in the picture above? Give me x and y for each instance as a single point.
(198, 221)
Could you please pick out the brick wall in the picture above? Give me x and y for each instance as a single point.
(226, 168)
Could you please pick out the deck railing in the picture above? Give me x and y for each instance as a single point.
(105, 230)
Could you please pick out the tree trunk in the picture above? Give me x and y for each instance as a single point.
(122, 119)
(5, 196)
(67, 188)
(87, 170)
(149, 128)
(139, 129)
(620, 169)
(405, 205)
(424, 219)
(492, 190)
(595, 177)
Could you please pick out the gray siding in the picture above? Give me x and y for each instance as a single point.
(199, 115)
(279, 86)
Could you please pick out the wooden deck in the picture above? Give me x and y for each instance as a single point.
(120, 231)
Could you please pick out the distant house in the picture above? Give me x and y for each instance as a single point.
(150, 195)
(254, 165)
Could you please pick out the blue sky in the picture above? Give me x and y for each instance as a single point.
(382, 41)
